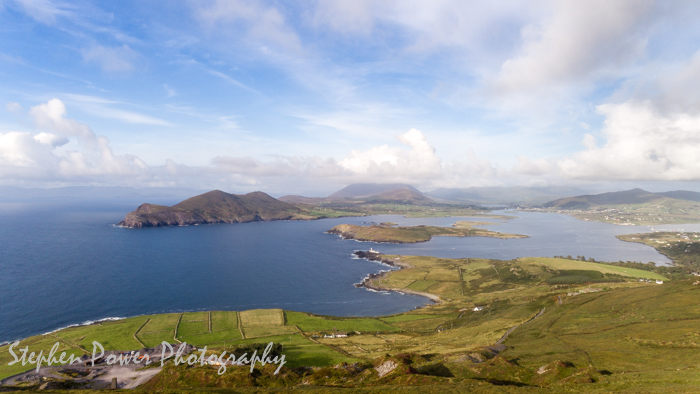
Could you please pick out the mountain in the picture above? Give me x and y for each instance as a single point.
(360, 190)
(292, 199)
(505, 195)
(400, 196)
(370, 193)
(682, 195)
(634, 196)
(213, 207)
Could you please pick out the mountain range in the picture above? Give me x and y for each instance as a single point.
(634, 196)
(374, 193)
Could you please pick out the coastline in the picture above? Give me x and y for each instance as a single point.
(368, 281)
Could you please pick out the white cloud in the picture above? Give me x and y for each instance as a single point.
(580, 41)
(103, 108)
(641, 144)
(261, 24)
(13, 107)
(527, 166)
(169, 92)
(390, 162)
(231, 80)
(44, 11)
(24, 156)
(111, 59)
(51, 116)
(52, 156)
(51, 140)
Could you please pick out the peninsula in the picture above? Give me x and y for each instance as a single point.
(216, 207)
(402, 235)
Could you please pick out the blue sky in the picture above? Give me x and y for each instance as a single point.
(309, 96)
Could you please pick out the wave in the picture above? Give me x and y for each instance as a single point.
(85, 323)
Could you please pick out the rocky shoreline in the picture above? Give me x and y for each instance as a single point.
(368, 281)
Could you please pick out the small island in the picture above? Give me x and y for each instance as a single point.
(402, 235)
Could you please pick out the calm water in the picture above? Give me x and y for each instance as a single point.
(64, 263)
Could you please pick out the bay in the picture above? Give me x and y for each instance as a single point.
(63, 262)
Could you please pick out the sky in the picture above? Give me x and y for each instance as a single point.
(306, 97)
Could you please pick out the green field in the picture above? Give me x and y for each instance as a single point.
(312, 323)
(566, 264)
(262, 318)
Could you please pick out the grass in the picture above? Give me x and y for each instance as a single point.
(566, 264)
(313, 323)
(195, 316)
(418, 285)
(259, 332)
(224, 320)
(405, 318)
(651, 328)
(412, 234)
(158, 323)
(35, 344)
(153, 339)
(262, 317)
(112, 335)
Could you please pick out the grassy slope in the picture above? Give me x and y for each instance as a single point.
(644, 334)
(566, 264)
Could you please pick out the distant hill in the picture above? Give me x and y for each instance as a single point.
(371, 193)
(682, 195)
(400, 196)
(634, 196)
(505, 195)
(292, 199)
(213, 207)
(361, 190)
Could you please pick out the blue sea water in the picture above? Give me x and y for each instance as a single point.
(63, 262)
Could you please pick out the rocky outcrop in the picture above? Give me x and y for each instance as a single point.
(214, 207)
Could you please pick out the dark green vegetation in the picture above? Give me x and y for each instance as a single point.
(215, 207)
(683, 248)
(583, 276)
(414, 234)
(631, 207)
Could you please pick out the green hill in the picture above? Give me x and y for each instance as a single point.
(214, 207)
(634, 196)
